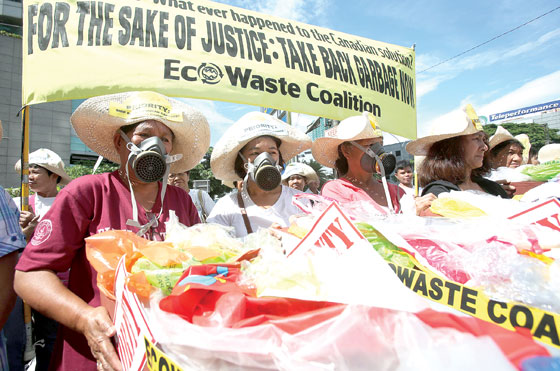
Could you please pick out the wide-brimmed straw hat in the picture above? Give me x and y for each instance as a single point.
(325, 149)
(253, 125)
(97, 119)
(298, 168)
(49, 160)
(550, 152)
(501, 135)
(467, 123)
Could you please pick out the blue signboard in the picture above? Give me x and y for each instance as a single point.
(525, 111)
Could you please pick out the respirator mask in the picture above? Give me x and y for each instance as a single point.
(375, 157)
(264, 171)
(150, 162)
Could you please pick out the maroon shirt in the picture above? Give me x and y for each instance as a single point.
(89, 205)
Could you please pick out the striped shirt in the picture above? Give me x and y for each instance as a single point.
(11, 236)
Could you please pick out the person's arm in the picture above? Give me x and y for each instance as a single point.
(7, 294)
(43, 291)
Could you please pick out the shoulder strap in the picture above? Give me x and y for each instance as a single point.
(201, 202)
(244, 212)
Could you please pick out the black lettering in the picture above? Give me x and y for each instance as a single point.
(420, 284)
(513, 316)
(406, 276)
(548, 328)
(124, 15)
(436, 293)
(184, 31)
(163, 365)
(45, 25)
(238, 76)
(467, 299)
(453, 288)
(168, 69)
(150, 29)
(496, 319)
(31, 27)
(163, 27)
(138, 27)
(61, 14)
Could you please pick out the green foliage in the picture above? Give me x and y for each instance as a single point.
(14, 192)
(203, 171)
(10, 34)
(539, 134)
(85, 168)
(324, 174)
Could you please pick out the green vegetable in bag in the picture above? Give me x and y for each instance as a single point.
(388, 251)
(163, 278)
(543, 172)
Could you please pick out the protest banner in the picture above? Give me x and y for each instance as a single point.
(200, 49)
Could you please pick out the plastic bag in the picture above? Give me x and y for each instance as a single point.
(337, 337)
(543, 172)
(452, 208)
(384, 247)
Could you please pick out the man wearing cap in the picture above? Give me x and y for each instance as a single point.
(46, 172)
(149, 135)
(253, 150)
(11, 241)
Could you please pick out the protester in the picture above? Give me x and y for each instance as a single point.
(533, 156)
(298, 175)
(404, 175)
(202, 200)
(46, 173)
(11, 241)
(146, 133)
(504, 150)
(454, 158)
(344, 148)
(253, 149)
(550, 152)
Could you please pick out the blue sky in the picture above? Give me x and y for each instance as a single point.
(519, 69)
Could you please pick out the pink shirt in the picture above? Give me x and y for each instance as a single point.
(89, 205)
(344, 191)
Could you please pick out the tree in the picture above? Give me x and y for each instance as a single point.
(203, 171)
(323, 174)
(539, 134)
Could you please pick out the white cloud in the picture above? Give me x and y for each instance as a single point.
(541, 90)
(218, 122)
(428, 81)
(307, 11)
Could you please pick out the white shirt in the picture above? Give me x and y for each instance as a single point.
(41, 205)
(226, 211)
(407, 190)
(207, 201)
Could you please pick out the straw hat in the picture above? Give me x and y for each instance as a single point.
(550, 152)
(253, 125)
(325, 149)
(50, 161)
(467, 123)
(298, 168)
(501, 135)
(97, 119)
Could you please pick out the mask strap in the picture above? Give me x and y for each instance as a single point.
(372, 154)
(134, 150)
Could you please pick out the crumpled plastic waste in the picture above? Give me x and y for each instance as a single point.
(542, 172)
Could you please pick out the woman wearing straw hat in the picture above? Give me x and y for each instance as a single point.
(344, 148)
(253, 150)
(149, 135)
(11, 241)
(298, 175)
(504, 150)
(454, 157)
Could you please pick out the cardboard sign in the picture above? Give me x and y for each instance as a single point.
(546, 213)
(332, 230)
(131, 323)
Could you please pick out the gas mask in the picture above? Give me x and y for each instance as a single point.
(264, 171)
(150, 163)
(371, 157)
(149, 160)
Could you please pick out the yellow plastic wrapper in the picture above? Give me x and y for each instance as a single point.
(451, 208)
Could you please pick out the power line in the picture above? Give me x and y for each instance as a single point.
(486, 42)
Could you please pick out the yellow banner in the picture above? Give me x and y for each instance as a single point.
(156, 360)
(544, 326)
(200, 49)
